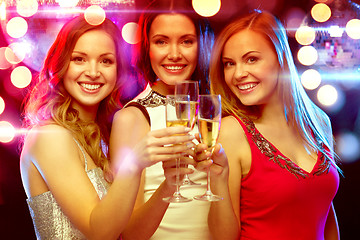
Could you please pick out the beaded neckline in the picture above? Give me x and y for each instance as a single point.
(153, 99)
(274, 155)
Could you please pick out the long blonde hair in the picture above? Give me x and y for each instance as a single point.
(311, 122)
(48, 101)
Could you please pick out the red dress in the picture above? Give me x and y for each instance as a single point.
(281, 201)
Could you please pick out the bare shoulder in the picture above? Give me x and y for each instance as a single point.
(231, 129)
(48, 150)
(46, 138)
(128, 128)
(130, 116)
(236, 146)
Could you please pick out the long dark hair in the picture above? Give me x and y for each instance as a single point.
(204, 32)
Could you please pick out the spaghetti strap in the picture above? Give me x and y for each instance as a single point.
(86, 167)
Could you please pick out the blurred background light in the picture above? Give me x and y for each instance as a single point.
(2, 105)
(353, 28)
(67, 3)
(293, 19)
(327, 95)
(321, 12)
(338, 54)
(16, 52)
(4, 63)
(27, 8)
(95, 15)
(348, 146)
(7, 132)
(129, 31)
(17, 27)
(21, 77)
(307, 55)
(206, 8)
(311, 79)
(305, 35)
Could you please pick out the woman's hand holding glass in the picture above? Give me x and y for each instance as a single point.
(163, 145)
(209, 119)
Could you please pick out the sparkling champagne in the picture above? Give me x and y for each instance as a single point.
(209, 131)
(194, 106)
(176, 123)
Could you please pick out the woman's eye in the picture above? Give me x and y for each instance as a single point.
(251, 59)
(78, 59)
(228, 64)
(188, 42)
(107, 61)
(160, 42)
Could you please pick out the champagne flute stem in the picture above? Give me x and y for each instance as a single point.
(208, 190)
(177, 176)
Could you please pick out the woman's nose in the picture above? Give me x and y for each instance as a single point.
(240, 72)
(174, 53)
(92, 71)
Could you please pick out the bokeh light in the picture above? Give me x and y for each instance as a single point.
(206, 8)
(2, 105)
(307, 55)
(348, 147)
(3, 11)
(4, 63)
(353, 28)
(21, 77)
(305, 35)
(67, 3)
(293, 20)
(16, 27)
(129, 31)
(321, 12)
(16, 52)
(95, 15)
(26, 8)
(327, 95)
(311, 79)
(7, 132)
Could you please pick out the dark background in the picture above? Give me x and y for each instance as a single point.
(15, 222)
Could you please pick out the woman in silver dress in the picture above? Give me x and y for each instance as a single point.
(72, 194)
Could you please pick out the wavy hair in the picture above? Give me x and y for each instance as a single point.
(205, 35)
(48, 102)
(311, 122)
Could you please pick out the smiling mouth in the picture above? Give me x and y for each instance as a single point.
(174, 68)
(90, 87)
(247, 86)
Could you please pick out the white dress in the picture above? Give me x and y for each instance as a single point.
(185, 221)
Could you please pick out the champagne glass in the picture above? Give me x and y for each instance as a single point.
(177, 112)
(191, 88)
(209, 120)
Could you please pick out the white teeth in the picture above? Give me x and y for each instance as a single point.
(174, 68)
(247, 86)
(90, 86)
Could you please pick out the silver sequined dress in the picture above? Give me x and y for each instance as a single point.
(49, 220)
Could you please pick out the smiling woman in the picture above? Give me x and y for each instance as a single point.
(91, 75)
(175, 46)
(72, 194)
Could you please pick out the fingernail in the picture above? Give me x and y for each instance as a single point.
(187, 129)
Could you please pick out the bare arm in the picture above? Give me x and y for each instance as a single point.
(224, 216)
(52, 161)
(331, 227)
(129, 127)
